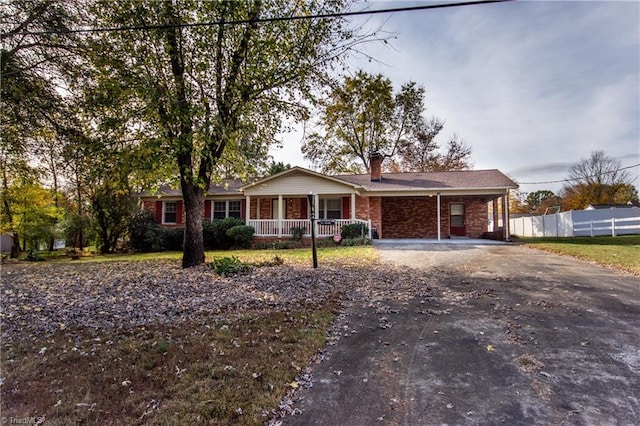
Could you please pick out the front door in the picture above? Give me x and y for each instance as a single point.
(456, 220)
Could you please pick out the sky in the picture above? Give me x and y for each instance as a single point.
(532, 86)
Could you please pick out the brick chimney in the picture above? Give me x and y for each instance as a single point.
(376, 167)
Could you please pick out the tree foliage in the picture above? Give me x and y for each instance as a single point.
(34, 214)
(275, 168)
(598, 179)
(215, 94)
(363, 115)
(539, 201)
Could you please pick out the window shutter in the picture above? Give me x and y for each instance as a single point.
(207, 209)
(178, 212)
(243, 208)
(158, 211)
(346, 207)
(304, 210)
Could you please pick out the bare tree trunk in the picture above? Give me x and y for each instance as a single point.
(193, 243)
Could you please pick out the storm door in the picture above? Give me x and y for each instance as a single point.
(457, 220)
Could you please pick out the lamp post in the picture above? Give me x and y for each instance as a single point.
(313, 230)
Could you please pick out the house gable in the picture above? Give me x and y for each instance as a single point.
(299, 181)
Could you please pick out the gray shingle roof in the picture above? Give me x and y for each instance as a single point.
(466, 179)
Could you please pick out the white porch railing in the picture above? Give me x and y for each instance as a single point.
(282, 228)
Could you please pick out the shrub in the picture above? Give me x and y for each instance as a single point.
(325, 242)
(354, 230)
(229, 266)
(173, 238)
(208, 234)
(33, 256)
(153, 239)
(139, 226)
(242, 235)
(220, 228)
(146, 235)
(356, 242)
(297, 233)
(287, 245)
(277, 245)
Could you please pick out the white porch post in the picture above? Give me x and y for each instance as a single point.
(505, 214)
(438, 209)
(258, 208)
(353, 207)
(280, 215)
(247, 210)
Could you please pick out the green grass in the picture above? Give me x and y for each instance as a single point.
(621, 252)
(298, 256)
(214, 373)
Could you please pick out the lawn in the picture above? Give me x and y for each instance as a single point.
(622, 252)
(298, 256)
(136, 339)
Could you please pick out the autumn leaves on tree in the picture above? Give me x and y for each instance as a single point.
(362, 115)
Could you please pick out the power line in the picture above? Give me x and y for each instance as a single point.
(259, 20)
(580, 178)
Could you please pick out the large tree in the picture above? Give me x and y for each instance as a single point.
(422, 153)
(539, 201)
(363, 115)
(598, 179)
(215, 93)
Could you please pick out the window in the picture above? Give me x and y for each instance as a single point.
(235, 209)
(170, 209)
(227, 208)
(219, 209)
(330, 208)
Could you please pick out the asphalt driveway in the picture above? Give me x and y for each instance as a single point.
(504, 335)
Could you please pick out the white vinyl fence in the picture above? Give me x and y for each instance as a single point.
(579, 223)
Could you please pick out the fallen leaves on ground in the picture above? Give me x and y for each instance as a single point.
(159, 336)
(39, 300)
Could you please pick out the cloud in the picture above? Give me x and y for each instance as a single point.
(533, 87)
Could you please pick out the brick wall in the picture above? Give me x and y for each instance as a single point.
(409, 217)
(265, 208)
(150, 205)
(294, 208)
(416, 217)
(370, 208)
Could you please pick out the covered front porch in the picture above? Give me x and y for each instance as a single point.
(275, 206)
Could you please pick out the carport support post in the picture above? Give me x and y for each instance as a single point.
(438, 209)
(313, 230)
(505, 219)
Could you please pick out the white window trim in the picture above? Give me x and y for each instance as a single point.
(164, 204)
